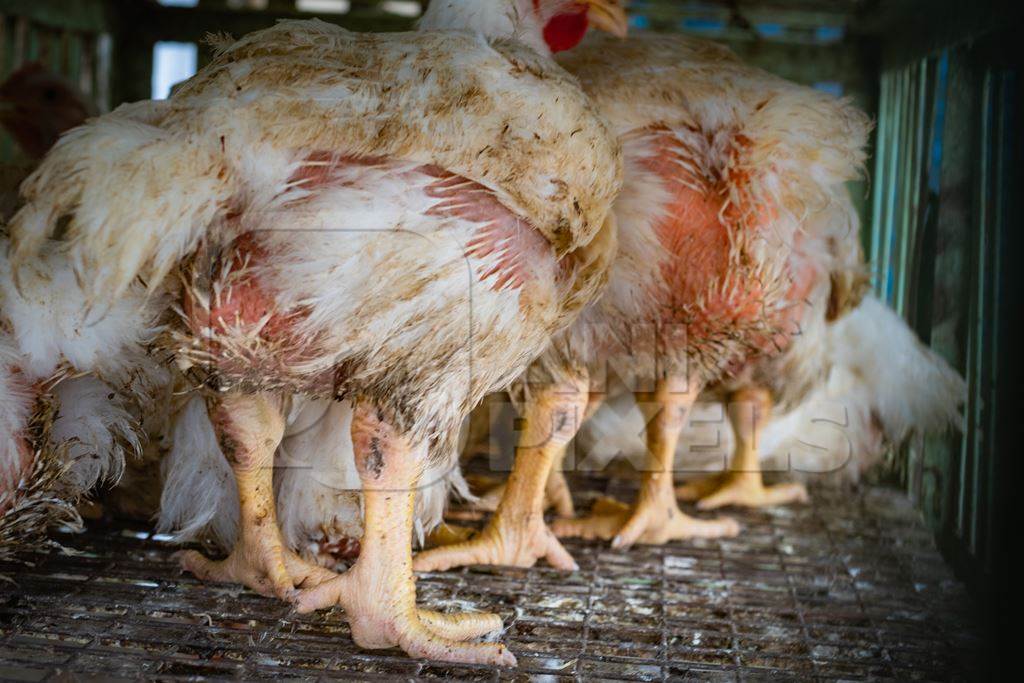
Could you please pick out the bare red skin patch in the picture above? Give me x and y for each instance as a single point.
(512, 253)
(340, 549)
(246, 308)
(512, 248)
(696, 231)
(245, 302)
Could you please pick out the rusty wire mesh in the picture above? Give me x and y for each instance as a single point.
(848, 587)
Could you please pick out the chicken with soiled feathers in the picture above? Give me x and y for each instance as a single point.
(55, 451)
(398, 220)
(852, 383)
(725, 168)
(881, 388)
(765, 383)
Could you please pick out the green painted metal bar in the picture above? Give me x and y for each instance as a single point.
(76, 15)
(883, 148)
(891, 182)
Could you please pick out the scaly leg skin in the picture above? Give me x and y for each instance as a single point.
(378, 592)
(250, 428)
(557, 494)
(743, 485)
(516, 535)
(655, 518)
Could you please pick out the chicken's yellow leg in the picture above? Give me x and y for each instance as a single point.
(655, 517)
(516, 535)
(378, 593)
(557, 494)
(250, 428)
(743, 485)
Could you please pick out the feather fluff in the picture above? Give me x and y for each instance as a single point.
(199, 498)
(882, 387)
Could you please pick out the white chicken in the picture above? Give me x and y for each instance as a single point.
(854, 382)
(839, 280)
(400, 220)
(63, 434)
(882, 387)
(725, 168)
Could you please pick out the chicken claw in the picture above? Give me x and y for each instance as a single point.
(516, 535)
(649, 522)
(378, 592)
(742, 489)
(655, 518)
(270, 571)
(250, 427)
(743, 485)
(446, 534)
(511, 542)
(380, 618)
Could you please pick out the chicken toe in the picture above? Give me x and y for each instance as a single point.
(507, 541)
(378, 593)
(250, 427)
(741, 489)
(650, 521)
(517, 535)
(743, 485)
(655, 517)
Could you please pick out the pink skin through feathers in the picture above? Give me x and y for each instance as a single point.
(502, 233)
(511, 251)
(517, 247)
(695, 230)
(11, 473)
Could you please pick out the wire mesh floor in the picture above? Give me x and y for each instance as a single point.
(849, 587)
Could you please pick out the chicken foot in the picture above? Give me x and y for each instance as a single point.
(250, 427)
(655, 517)
(517, 535)
(378, 592)
(743, 485)
(557, 494)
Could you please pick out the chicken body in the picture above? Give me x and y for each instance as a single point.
(785, 380)
(38, 106)
(398, 220)
(55, 451)
(725, 168)
(881, 387)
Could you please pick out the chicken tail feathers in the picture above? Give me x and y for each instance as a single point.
(884, 386)
(913, 389)
(129, 199)
(199, 498)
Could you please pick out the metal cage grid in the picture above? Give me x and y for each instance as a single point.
(850, 587)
